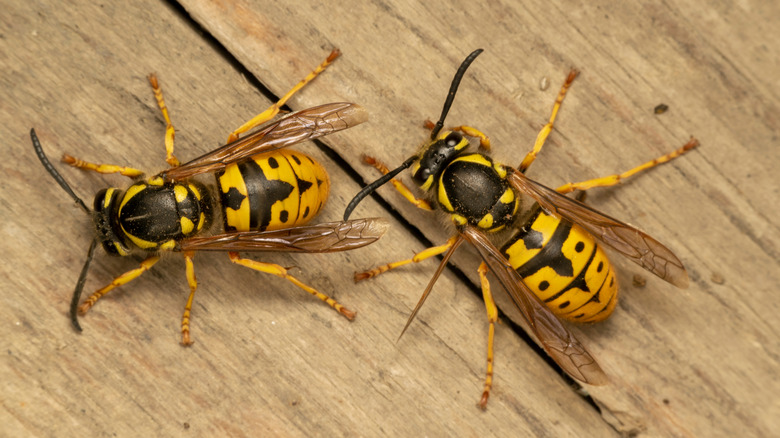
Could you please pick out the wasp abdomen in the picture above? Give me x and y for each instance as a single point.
(272, 191)
(565, 268)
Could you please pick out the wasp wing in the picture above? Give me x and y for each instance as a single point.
(623, 238)
(294, 128)
(326, 237)
(554, 337)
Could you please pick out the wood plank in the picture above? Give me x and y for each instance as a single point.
(695, 362)
(274, 362)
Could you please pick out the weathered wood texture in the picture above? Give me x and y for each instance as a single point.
(699, 362)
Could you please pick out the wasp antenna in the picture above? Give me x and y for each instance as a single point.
(74, 302)
(453, 89)
(53, 172)
(367, 190)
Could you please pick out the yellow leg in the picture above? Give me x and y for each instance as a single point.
(611, 180)
(274, 109)
(101, 168)
(400, 186)
(193, 282)
(273, 269)
(484, 141)
(169, 131)
(118, 281)
(492, 313)
(546, 129)
(420, 256)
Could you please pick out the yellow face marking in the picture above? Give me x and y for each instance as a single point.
(416, 166)
(462, 145)
(427, 184)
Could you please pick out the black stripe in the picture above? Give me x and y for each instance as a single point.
(262, 193)
(551, 255)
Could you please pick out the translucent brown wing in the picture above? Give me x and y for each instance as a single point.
(294, 128)
(623, 238)
(326, 237)
(554, 337)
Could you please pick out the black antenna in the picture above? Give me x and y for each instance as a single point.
(454, 88)
(74, 301)
(53, 172)
(367, 190)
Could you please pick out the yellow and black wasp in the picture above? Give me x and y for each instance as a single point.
(263, 196)
(551, 265)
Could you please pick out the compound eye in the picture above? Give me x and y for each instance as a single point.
(453, 139)
(100, 200)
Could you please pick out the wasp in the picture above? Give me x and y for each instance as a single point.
(552, 265)
(261, 200)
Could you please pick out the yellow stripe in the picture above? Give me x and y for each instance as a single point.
(132, 191)
(143, 244)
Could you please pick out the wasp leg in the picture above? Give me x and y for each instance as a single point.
(101, 168)
(492, 313)
(193, 282)
(274, 269)
(611, 180)
(119, 281)
(169, 131)
(399, 186)
(484, 141)
(420, 256)
(546, 129)
(273, 110)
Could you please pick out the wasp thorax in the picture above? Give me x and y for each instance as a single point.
(475, 190)
(154, 215)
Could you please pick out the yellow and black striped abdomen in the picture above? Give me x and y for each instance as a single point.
(565, 268)
(272, 191)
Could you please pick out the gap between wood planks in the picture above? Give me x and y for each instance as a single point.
(253, 80)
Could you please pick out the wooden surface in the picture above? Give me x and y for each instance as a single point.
(268, 359)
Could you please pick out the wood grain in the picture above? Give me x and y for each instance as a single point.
(698, 362)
